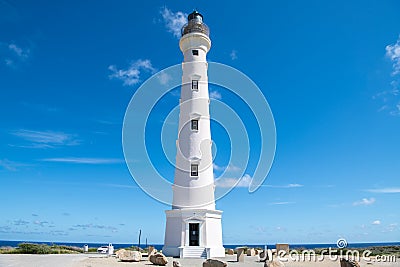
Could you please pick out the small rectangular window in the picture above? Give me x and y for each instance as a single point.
(195, 84)
(195, 52)
(194, 170)
(195, 125)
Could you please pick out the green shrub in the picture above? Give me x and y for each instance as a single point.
(28, 248)
(92, 250)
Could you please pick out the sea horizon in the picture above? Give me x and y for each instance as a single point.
(14, 243)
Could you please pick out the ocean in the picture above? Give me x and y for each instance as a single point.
(159, 246)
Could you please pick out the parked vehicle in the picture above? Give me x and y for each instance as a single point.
(102, 249)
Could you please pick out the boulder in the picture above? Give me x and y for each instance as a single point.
(284, 247)
(230, 251)
(158, 259)
(263, 255)
(348, 263)
(214, 263)
(274, 263)
(151, 250)
(240, 254)
(176, 264)
(119, 252)
(251, 252)
(129, 255)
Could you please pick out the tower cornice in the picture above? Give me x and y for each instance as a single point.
(195, 40)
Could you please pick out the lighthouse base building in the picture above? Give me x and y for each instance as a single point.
(193, 227)
(193, 233)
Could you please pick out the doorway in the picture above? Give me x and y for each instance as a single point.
(194, 234)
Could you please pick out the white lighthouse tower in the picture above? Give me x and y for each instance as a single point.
(193, 227)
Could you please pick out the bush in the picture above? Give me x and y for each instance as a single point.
(31, 248)
(28, 248)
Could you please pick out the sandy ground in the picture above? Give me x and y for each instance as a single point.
(95, 260)
(17, 260)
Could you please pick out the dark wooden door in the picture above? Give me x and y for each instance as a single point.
(194, 234)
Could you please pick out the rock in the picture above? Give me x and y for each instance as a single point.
(240, 254)
(176, 264)
(151, 250)
(284, 247)
(263, 255)
(214, 263)
(158, 259)
(129, 255)
(251, 252)
(119, 252)
(230, 251)
(348, 263)
(274, 263)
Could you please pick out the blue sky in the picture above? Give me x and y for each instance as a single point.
(329, 70)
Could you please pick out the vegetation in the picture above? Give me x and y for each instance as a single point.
(136, 248)
(92, 250)
(30, 248)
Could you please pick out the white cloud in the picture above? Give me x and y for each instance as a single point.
(387, 190)
(377, 222)
(234, 182)
(94, 226)
(229, 168)
(233, 54)
(283, 186)
(45, 139)
(164, 78)
(215, 95)
(131, 75)
(396, 112)
(41, 223)
(391, 227)
(280, 228)
(365, 202)
(13, 54)
(393, 52)
(20, 52)
(175, 92)
(390, 98)
(20, 222)
(294, 185)
(9, 62)
(218, 168)
(10, 165)
(174, 21)
(281, 203)
(85, 160)
(233, 168)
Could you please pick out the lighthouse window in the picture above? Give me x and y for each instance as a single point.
(195, 125)
(194, 170)
(195, 52)
(195, 84)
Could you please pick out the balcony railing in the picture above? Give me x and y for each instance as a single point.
(193, 26)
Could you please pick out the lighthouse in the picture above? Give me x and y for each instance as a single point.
(193, 225)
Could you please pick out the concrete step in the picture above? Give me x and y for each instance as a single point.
(194, 252)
